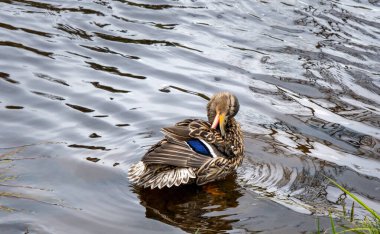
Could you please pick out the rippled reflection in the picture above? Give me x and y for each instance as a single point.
(191, 208)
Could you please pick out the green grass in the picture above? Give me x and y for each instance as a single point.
(332, 224)
(369, 224)
(377, 216)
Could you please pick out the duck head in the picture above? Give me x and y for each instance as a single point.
(221, 108)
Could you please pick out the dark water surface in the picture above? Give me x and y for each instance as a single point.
(85, 87)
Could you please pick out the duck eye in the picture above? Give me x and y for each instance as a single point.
(226, 118)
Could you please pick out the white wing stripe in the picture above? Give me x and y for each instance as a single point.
(209, 148)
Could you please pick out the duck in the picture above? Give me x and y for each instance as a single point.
(194, 151)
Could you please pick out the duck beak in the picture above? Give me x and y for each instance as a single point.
(216, 121)
(222, 124)
(219, 120)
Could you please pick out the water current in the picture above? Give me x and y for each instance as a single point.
(85, 87)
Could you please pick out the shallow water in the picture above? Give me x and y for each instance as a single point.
(85, 87)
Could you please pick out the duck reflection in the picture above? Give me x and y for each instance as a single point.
(193, 208)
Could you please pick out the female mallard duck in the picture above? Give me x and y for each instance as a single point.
(194, 150)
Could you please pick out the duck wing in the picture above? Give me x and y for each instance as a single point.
(187, 144)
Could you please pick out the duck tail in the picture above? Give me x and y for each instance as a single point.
(136, 171)
(159, 176)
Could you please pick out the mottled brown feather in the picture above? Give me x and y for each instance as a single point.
(173, 150)
(172, 162)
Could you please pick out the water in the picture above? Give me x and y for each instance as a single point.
(85, 87)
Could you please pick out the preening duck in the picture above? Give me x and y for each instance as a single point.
(194, 150)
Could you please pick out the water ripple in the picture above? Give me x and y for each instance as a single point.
(85, 87)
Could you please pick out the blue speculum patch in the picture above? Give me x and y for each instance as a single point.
(199, 147)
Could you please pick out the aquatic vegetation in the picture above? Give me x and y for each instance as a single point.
(369, 224)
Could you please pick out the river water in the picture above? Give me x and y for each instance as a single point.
(85, 87)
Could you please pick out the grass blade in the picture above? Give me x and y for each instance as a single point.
(352, 212)
(344, 209)
(356, 230)
(332, 224)
(318, 226)
(377, 216)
